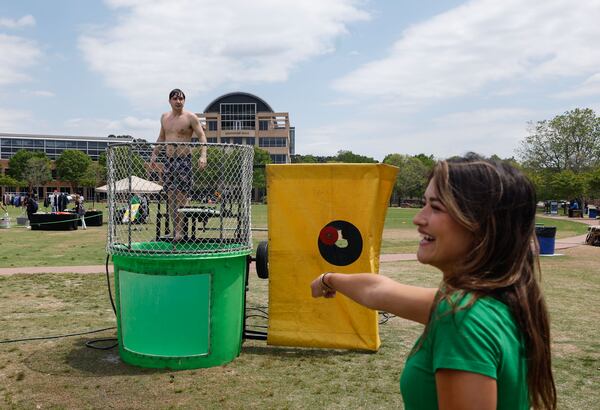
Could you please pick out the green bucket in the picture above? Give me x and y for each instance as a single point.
(180, 311)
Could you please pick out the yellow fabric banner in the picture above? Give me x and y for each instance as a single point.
(323, 218)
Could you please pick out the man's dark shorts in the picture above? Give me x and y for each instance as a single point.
(179, 174)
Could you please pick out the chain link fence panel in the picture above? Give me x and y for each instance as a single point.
(179, 198)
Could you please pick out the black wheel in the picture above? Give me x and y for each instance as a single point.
(262, 260)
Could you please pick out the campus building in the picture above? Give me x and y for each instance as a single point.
(233, 118)
(243, 118)
(52, 146)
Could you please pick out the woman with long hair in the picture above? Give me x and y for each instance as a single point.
(486, 342)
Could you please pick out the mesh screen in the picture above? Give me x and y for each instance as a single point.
(163, 199)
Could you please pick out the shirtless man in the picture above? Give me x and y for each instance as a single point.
(176, 126)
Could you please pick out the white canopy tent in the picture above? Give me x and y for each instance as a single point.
(138, 186)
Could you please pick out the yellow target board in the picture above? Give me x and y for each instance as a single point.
(323, 218)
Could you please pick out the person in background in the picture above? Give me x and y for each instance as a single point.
(30, 205)
(80, 210)
(486, 340)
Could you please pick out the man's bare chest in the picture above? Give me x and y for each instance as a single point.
(177, 128)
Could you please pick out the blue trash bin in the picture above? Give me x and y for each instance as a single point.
(546, 237)
(592, 213)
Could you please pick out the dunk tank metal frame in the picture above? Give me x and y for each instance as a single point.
(181, 277)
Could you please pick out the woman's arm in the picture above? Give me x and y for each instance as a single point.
(465, 390)
(379, 293)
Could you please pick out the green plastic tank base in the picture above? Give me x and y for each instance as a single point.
(180, 311)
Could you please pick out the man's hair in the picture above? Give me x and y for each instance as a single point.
(176, 92)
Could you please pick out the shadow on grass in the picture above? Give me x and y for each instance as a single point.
(74, 358)
(294, 352)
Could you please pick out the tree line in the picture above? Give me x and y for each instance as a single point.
(34, 168)
(561, 156)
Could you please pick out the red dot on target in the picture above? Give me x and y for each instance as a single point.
(328, 235)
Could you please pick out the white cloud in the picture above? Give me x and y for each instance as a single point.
(12, 120)
(484, 44)
(25, 21)
(590, 87)
(16, 56)
(39, 93)
(486, 131)
(199, 45)
(136, 127)
(340, 102)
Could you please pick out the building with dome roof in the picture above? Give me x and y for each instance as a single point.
(244, 118)
(233, 118)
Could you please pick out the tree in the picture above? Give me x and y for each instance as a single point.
(428, 161)
(102, 159)
(18, 163)
(304, 159)
(567, 185)
(352, 158)
(71, 166)
(567, 142)
(259, 179)
(94, 176)
(224, 170)
(593, 183)
(37, 172)
(125, 161)
(411, 181)
(6, 180)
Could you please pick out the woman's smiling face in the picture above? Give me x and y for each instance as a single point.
(444, 242)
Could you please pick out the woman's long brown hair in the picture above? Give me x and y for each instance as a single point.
(497, 203)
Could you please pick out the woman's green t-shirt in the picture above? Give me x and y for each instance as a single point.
(483, 338)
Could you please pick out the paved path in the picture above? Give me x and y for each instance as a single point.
(563, 243)
(388, 257)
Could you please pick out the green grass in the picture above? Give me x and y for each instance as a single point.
(23, 247)
(564, 228)
(63, 373)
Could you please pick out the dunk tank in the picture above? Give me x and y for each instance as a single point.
(180, 239)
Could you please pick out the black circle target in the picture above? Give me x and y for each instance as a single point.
(341, 249)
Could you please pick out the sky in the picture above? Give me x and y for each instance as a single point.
(439, 77)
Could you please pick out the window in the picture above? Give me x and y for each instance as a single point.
(237, 140)
(272, 142)
(211, 140)
(225, 140)
(278, 158)
(212, 125)
(94, 154)
(263, 125)
(250, 141)
(238, 116)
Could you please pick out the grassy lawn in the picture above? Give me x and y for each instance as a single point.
(63, 373)
(23, 247)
